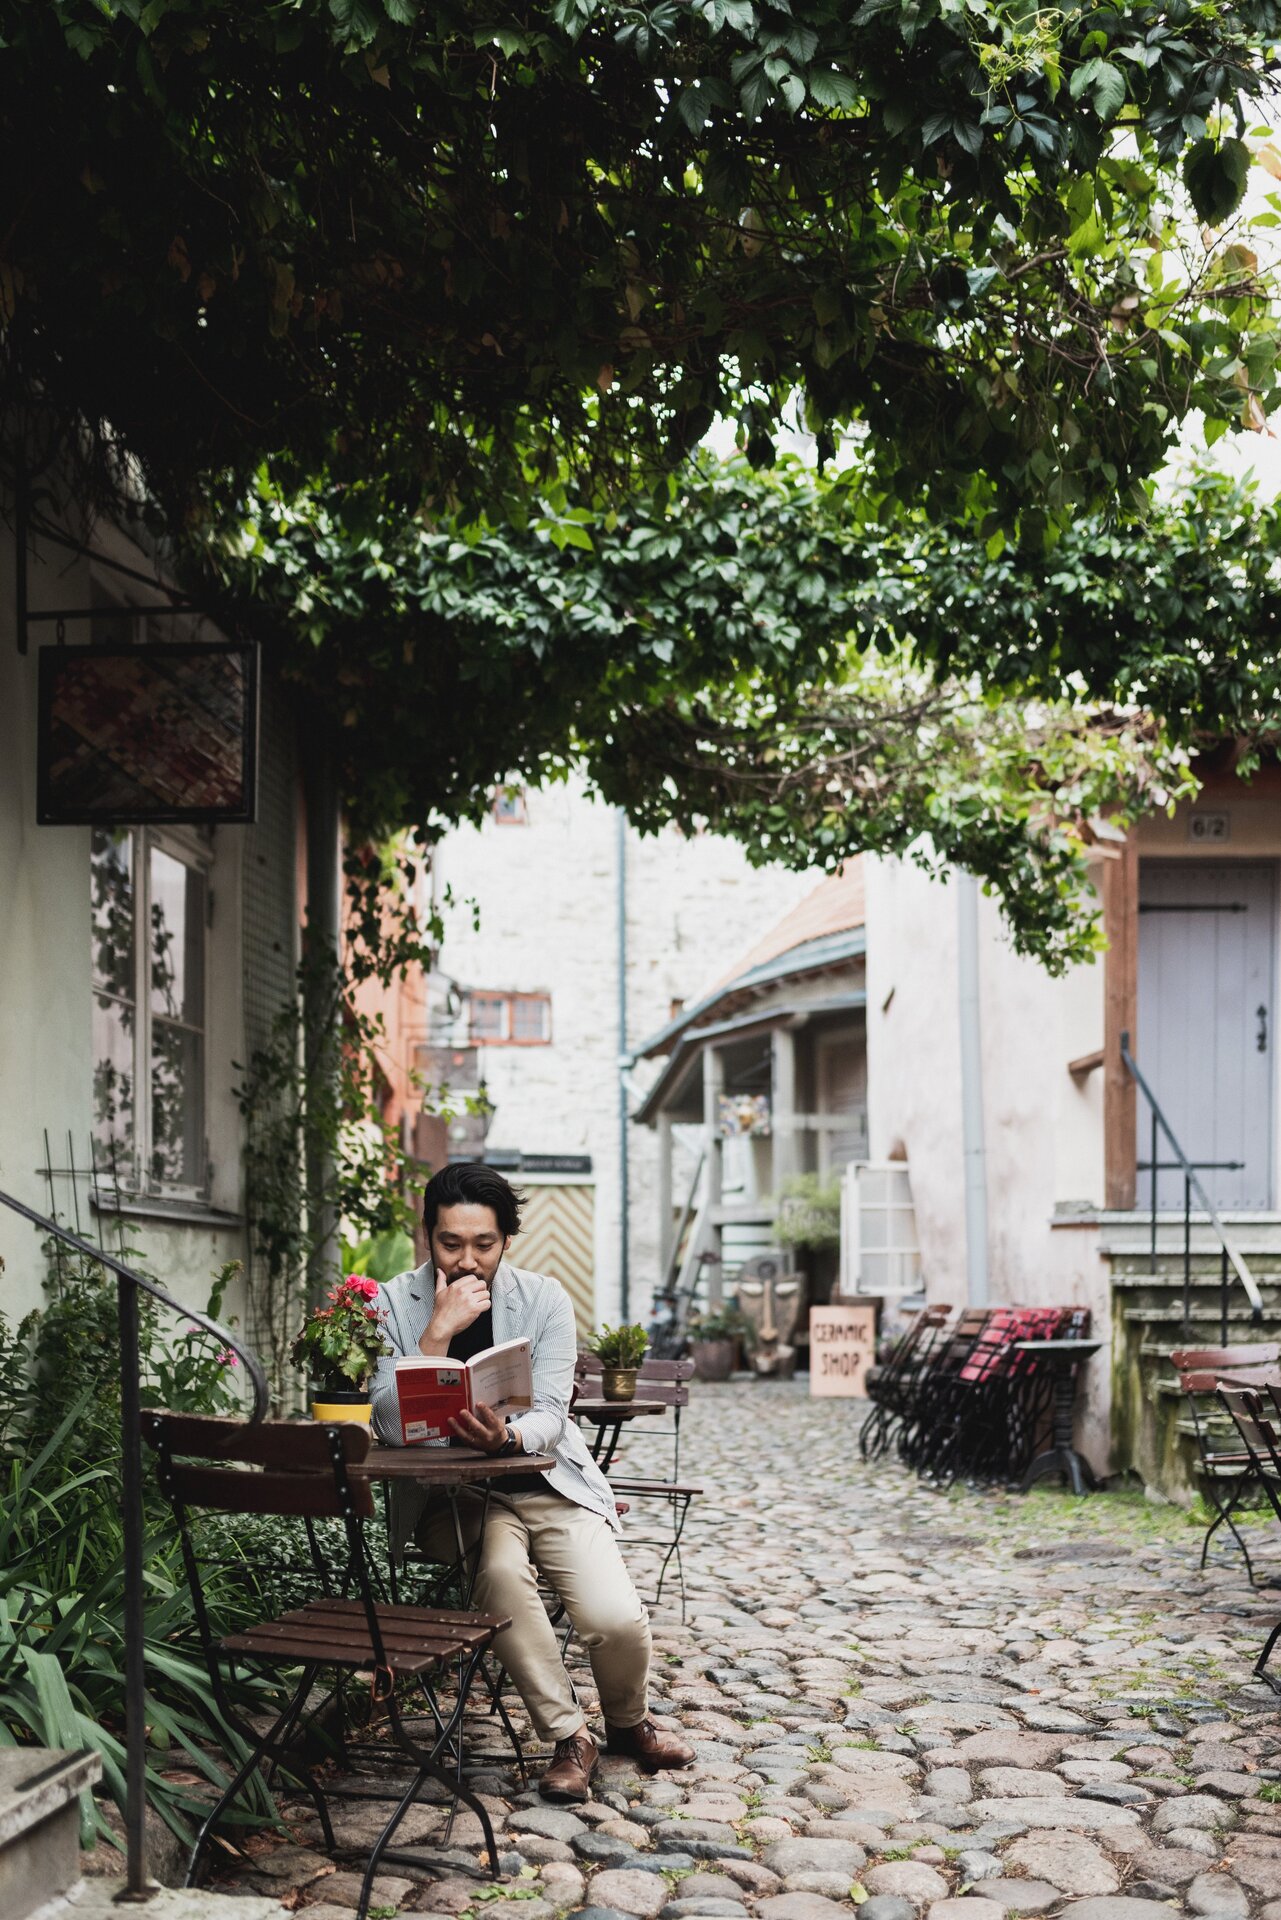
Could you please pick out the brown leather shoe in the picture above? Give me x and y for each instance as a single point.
(569, 1776)
(646, 1743)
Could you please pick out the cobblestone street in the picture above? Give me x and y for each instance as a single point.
(906, 1701)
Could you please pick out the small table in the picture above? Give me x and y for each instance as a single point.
(1062, 1360)
(611, 1416)
(449, 1470)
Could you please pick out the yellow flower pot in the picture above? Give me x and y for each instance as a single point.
(332, 1404)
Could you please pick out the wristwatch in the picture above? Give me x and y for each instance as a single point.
(509, 1445)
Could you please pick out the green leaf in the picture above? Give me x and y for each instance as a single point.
(1108, 90)
(1215, 177)
(832, 89)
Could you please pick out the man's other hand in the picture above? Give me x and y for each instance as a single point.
(457, 1306)
(484, 1429)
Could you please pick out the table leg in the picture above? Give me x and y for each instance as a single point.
(1061, 1456)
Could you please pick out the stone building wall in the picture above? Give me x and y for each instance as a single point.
(545, 894)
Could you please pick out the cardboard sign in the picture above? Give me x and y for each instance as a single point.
(842, 1348)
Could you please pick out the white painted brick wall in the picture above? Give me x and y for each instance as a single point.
(547, 901)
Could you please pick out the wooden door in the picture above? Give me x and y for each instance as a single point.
(841, 1076)
(1205, 1023)
(558, 1238)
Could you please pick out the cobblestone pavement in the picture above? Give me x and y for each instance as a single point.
(903, 1702)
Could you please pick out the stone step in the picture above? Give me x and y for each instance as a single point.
(40, 1790)
(99, 1899)
(1170, 1275)
(1205, 1313)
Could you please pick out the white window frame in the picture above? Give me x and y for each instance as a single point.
(192, 846)
(508, 1037)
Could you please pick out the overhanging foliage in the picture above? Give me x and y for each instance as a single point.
(451, 249)
(754, 659)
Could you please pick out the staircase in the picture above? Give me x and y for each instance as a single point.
(1152, 1430)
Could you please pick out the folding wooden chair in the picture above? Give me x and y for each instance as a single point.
(302, 1469)
(1229, 1471)
(926, 1423)
(666, 1381)
(1245, 1407)
(887, 1381)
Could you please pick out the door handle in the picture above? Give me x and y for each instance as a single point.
(1262, 1039)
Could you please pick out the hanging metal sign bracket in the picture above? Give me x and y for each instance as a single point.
(26, 616)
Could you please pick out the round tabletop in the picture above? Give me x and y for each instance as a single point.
(445, 1466)
(604, 1412)
(1082, 1349)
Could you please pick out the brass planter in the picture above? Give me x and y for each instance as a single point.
(618, 1383)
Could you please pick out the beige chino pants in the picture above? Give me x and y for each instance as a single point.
(577, 1554)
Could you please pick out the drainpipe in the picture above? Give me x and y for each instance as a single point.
(322, 939)
(973, 1148)
(624, 1066)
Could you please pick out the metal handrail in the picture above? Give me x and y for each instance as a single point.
(127, 1284)
(1230, 1253)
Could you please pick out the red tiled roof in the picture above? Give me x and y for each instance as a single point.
(834, 907)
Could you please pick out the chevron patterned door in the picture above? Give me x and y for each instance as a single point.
(558, 1237)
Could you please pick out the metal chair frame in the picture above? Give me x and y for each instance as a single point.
(1228, 1476)
(304, 1475)
(1245, 1408)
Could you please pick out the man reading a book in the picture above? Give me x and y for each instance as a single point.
(465, 1298)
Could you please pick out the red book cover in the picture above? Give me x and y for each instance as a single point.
(431, 1392)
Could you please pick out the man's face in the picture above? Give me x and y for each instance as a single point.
(466, 1240)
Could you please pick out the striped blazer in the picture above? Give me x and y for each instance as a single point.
(525, 1305)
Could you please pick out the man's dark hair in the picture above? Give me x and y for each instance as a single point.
(468, 1184)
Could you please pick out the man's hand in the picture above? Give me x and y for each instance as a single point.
(484, 1429)
(457, 1307)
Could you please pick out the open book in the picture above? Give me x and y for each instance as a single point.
(431, 1391)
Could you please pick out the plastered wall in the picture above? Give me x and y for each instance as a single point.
(46, 1068)
(1043, 1127)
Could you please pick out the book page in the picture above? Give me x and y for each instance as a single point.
(502, 1377)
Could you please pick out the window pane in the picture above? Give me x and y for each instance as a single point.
(177, 1105)
(113, 1091)
(531, 1017)
(177, 940)
(111, 904)
(489, 1016)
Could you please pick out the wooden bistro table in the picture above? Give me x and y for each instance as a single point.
(449, 1471)
(609, 1417)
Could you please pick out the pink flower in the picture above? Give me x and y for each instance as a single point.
(227, 1358)
(357, 1284)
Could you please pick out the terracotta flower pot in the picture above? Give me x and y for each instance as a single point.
(713, 1359)
(342, 1403)
(618, 1383)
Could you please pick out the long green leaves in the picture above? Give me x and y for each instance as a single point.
(62, 1681)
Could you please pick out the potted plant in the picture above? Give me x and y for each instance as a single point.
(714, 1342)
(340, 1344)
(620, 1351)
(809, 1211)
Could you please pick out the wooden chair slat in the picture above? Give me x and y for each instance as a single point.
(1202, 1359)
(303, 1495)
(289, 1445)
(1208, 1381)
(298, 1648)
(652, 1486)
(438, 1617)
